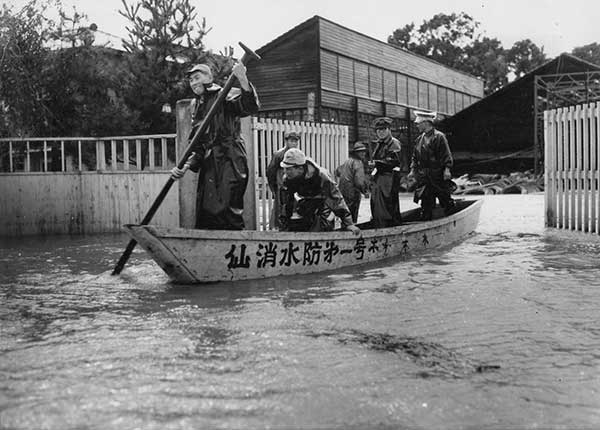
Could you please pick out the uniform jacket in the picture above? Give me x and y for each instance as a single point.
(431, 153)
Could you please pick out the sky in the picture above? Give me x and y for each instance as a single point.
(557, 25)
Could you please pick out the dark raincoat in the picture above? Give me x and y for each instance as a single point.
(312, 203)
(275, 180)
(430, 157)
(221, 159)
(385, 208)
(352, 183)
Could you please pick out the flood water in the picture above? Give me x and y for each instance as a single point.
(501, 330)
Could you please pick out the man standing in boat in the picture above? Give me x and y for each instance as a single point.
(385, 207)
(430, 167)
(220, 157)
(351, 178)
(275, 175)
(312, 198)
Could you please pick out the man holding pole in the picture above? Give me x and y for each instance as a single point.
(219, 154)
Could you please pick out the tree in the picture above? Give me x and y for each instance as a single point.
(589, 52)
(524, 56)
(72, 31)
(22, 67)
(84, 91)
(442, 38)
(486, 58)
(62, 91)
(164, 38)
(455, 41)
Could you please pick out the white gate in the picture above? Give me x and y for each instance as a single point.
(572, 167)
(327, 144)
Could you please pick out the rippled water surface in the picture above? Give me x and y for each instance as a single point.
(500, 330)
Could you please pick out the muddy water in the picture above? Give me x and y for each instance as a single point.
(501, 330)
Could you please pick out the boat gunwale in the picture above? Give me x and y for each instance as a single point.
(273, 235)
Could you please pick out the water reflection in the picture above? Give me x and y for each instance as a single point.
(434, 359)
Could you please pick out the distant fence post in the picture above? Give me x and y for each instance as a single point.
(572, 167)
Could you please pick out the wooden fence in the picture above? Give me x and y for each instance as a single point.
(73, 154)
(67, 185)
(572, 167)
(83, 185)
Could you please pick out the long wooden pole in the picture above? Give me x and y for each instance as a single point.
(248, 55)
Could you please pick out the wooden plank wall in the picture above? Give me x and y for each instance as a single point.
(351, 77)
(349, 43)
(288, 71)
(84, 202)
(572, 168)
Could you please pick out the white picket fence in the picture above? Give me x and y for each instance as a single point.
(327, 144)
(572, 167)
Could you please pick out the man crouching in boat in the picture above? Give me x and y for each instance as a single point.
(312, 199)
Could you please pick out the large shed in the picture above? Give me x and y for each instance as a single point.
(322, 71)
(501, 127)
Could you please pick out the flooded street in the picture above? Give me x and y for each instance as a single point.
(500, 330)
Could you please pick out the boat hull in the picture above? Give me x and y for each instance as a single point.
(191, 256)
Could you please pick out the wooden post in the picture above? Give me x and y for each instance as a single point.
(564, 141)
(578, 166)
(310, 106)
(100, 156)
(63, 166)
(572, 168)
(45, 149)
(138, 154)
(188, 185)
(250, 194)
(79, 156)
(585, 178)
(113, 155)
(408, 130)
(356, 124)
(163, 153)
(594, 167)
(151, 160)
(125, 154)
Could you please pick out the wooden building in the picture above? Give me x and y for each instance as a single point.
(321, 71)
(501, 127)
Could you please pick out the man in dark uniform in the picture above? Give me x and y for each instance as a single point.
(351, 178)
(312, 198)
(220, 156)
(430, 167)
(385, 208)
(275, 175)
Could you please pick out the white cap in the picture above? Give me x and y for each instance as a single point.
(421, 116)
(293, 157)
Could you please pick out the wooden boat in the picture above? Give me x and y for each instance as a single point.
(191, 256)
